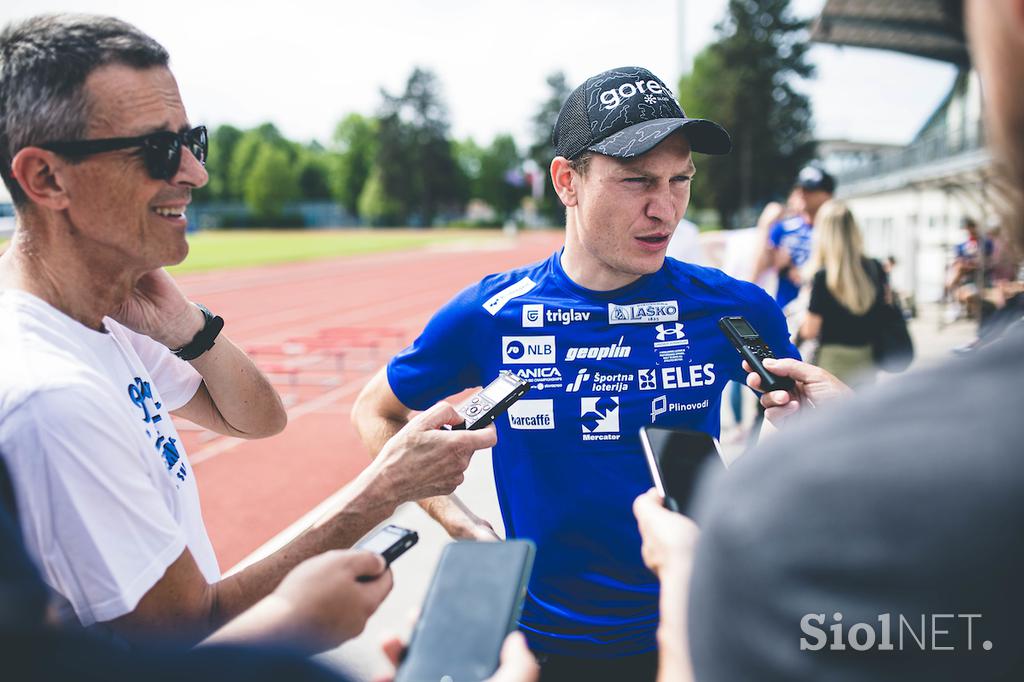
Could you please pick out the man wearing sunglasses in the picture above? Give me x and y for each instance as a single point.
(100, 347)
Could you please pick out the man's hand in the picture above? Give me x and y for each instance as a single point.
(318, 605)
(159, 309)
(517, 664)
(425, 460)
(814, 387)
(668, 538)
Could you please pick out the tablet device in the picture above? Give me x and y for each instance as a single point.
(472, 604)
(675, 458)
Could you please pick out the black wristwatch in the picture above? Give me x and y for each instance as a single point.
(204, 338)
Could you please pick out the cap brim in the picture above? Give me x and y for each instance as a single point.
(705, 137)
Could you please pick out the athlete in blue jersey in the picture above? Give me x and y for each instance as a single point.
(790, 238)
(612, 336)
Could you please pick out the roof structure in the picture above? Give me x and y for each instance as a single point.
(924, 28)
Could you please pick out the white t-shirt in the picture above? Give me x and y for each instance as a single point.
(106, 497)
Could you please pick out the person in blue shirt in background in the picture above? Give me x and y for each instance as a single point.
(613, 336)
(790, 238)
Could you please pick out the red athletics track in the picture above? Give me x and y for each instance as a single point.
(252, 490)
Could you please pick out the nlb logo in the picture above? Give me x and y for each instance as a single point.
(640, 313)
(616, 350)
(532, 415)
(528, 350)
(614, 97)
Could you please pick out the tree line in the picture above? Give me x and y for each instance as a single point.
(400, 166)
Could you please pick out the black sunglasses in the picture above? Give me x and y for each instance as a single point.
(161, 151)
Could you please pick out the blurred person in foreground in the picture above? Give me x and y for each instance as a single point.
(287, 624)
(880, 539)
(847, 289)
(100, 348)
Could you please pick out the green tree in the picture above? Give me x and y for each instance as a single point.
(542, 151)
(272, 181)
(314, 173)
(223, 141)
(376, 207)
(248, 148)
(744, 81)
(500, 181)
(355, 148)
(415, 157)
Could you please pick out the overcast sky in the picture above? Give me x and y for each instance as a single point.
(304, 64)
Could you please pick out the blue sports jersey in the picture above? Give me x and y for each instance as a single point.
(794, 235)
(568, 462)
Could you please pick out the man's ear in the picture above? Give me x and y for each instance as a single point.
(38, 172)
(564, 179)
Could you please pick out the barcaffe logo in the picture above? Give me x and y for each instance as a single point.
(640, 313)
(532, 415)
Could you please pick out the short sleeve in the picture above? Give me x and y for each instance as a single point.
(775, 235)
(440, 362)
(93, 518)
(176, 379)
(819, 294)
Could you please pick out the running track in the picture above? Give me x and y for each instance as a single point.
(252, 490)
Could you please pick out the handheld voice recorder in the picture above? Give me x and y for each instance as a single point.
(754, 350)
(485, 405)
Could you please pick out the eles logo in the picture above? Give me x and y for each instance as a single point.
(528, 350)
(613, 98)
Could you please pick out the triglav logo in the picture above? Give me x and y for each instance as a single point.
(921, 632)
(639, 313)
(600, 418)
(533, 315)
(528, 350)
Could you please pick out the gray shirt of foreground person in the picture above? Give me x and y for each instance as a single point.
(902, 509)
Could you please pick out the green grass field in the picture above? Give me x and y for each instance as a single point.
(215, 250)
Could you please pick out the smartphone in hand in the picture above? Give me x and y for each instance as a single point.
(675, 458)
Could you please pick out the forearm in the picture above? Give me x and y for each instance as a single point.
(363, 504)
(674, 663)
(456, 518)
(242, 396)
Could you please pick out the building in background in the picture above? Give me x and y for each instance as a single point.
(910, 200)
(6, 214)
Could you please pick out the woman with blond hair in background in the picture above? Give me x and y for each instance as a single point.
(846, 290)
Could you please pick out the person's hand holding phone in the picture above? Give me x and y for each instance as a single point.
(668, 537)
(517, 661)
(814, 387)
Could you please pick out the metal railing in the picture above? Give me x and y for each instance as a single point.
(936, 145)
